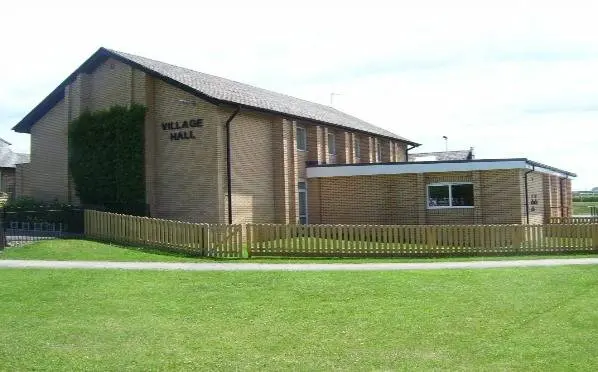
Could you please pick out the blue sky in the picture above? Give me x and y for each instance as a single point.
(518, 79)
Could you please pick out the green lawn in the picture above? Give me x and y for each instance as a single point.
(581, 208)
(94, 251)
(112, 320)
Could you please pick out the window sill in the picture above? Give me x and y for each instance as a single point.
(456, 207)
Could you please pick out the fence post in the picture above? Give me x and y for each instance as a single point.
(517, 237)
(248, 241)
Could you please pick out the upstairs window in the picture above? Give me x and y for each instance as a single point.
(357, 149)
(302, 201)
(331, 143)
(301, 139)
(450, 195)
(378, 151)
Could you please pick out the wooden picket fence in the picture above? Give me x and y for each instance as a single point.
(574, 220)
(212, 240)
(418, 240)
(221, 240)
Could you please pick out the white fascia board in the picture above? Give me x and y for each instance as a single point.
(402, 168)
(537, 168)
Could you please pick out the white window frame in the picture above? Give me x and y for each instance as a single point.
(449, 185)
(331, 149)
(299, 191)
(304, 134)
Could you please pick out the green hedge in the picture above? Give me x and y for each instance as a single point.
(106, 156)
(585, 198)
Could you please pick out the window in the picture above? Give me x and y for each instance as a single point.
(302, 188)
(331, 143)
(301, 139)
(450, 195)
(357, 149)
(378, 151)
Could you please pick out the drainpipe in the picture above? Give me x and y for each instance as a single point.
(526, 195)
(407, 152)
(229, 179)
(562, 198)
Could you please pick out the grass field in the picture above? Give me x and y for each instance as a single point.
(581, 208)
(495, 319)
(94, 251)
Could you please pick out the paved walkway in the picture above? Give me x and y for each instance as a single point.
(216, 266)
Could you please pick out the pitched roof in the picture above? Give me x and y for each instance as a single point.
(442, 155)
(9, 159)
(216, 90)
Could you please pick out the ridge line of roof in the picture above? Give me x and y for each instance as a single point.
(25, 124)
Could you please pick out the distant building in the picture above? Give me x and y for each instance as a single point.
(442, 155)
(8, 164)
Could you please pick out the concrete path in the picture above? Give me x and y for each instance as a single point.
(216, 266)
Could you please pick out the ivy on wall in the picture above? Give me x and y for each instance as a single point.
(106, 156)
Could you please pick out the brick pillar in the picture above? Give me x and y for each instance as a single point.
(293, 177)
(354, 139)
(344, 149)
(283, 148)
(325, 145)
(320, 145)
(478, 214)
(150, 146)
(371, 150)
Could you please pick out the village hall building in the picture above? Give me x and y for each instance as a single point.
(219, 151)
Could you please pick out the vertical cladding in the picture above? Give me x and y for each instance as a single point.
(186, 170)
(49, 155)
(252, 168)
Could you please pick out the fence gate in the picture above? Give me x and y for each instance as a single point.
(24, 226)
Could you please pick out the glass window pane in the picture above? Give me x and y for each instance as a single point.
(302, 220)
(438, 196)
(331, 144)
(357, 149)
(301, 139)
(301, 185)
(302, 203)
(462, 195)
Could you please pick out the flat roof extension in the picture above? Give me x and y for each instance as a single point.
(368, 169)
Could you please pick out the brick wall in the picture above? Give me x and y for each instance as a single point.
(402, 199)
(110, 84)
(8, 181)
(188, 182)
(186, 179)
(502, 196)
(252, 168)
(49, 156)
(536, 199)
(22, 180)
